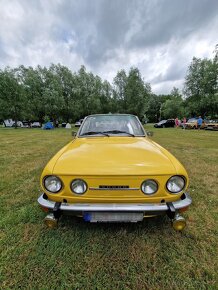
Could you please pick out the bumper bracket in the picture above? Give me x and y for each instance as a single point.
(57, 210)
(171, 212)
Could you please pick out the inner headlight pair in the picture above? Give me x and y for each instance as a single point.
(53, 184)
(149, 186)
(174, 185)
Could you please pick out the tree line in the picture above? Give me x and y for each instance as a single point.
(57, 93)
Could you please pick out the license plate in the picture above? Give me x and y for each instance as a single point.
(95, 217)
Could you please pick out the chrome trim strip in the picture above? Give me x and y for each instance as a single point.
(142, 207)
(97, 188)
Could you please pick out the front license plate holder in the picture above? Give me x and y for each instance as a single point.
(95, 217)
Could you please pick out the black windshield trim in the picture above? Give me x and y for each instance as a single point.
(118, 132)
(95, 133)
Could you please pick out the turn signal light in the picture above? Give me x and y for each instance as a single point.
(183, 209)
(45, 209)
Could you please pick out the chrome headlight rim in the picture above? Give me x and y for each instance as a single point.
(53, 192)
(152, 180)
(78, 180)
(177, 192)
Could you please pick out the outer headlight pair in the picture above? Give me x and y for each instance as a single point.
(174, 185)
(53, 184)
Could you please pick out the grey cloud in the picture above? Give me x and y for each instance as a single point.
(106, 25)
(158, 36)
(167, 19)
(175, 71)
(99, 25)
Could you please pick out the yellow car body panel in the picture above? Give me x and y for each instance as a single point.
(113, 161)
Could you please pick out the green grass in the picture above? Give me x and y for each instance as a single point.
(79, 255)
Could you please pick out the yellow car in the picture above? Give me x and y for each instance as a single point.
(113, 172)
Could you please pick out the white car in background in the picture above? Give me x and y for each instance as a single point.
(79, 123)
(10, 123)
(35, 125)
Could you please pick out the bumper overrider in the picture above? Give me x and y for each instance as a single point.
(172, 209)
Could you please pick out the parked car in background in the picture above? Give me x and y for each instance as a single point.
(35, 125)
(8, 123)
(113, 172)
(79, 123)
(25, 124)
(165, 123)
(11, 123)
(192, 123)
(211, 125)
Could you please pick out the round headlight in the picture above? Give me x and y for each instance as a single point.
(52, 183)
(175, 184)
(149, 186)
(78, 186)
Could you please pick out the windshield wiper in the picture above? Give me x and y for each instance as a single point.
(94, 133)
(118, 132)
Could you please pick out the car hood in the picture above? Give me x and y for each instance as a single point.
(114, 156)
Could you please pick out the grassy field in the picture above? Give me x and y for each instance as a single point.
(79, 255)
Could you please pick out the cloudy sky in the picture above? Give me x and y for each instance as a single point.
(160, 37)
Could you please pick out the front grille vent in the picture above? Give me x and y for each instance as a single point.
(113, 187)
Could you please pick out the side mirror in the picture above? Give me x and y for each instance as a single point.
(150, 133)
(74, 134)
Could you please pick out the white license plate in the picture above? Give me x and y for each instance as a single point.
(95, 217)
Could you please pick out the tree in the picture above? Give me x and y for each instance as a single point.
(119, 91)
(154, 108)
(106, 97)
(66, 81)
(173, 106)
(12, 96)
(52, 94)
(88, 92)
(201, 86)
(34, 85)
(136, 94)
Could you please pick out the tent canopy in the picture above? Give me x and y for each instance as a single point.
(48, 126)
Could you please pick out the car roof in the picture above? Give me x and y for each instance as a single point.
(116, 114)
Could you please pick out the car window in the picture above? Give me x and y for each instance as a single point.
(192, 120)
(161, 122)
(117, 123)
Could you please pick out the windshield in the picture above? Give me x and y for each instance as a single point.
(163, 121)
(116, 125)
(192, 120)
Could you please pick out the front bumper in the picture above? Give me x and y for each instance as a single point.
(146, 208)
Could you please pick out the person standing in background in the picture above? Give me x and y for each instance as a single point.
(199, 122)
(177, 122)
(184, 123)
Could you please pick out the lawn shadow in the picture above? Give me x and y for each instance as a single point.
(148, 225)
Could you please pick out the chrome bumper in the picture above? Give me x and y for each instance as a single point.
(151, 208)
